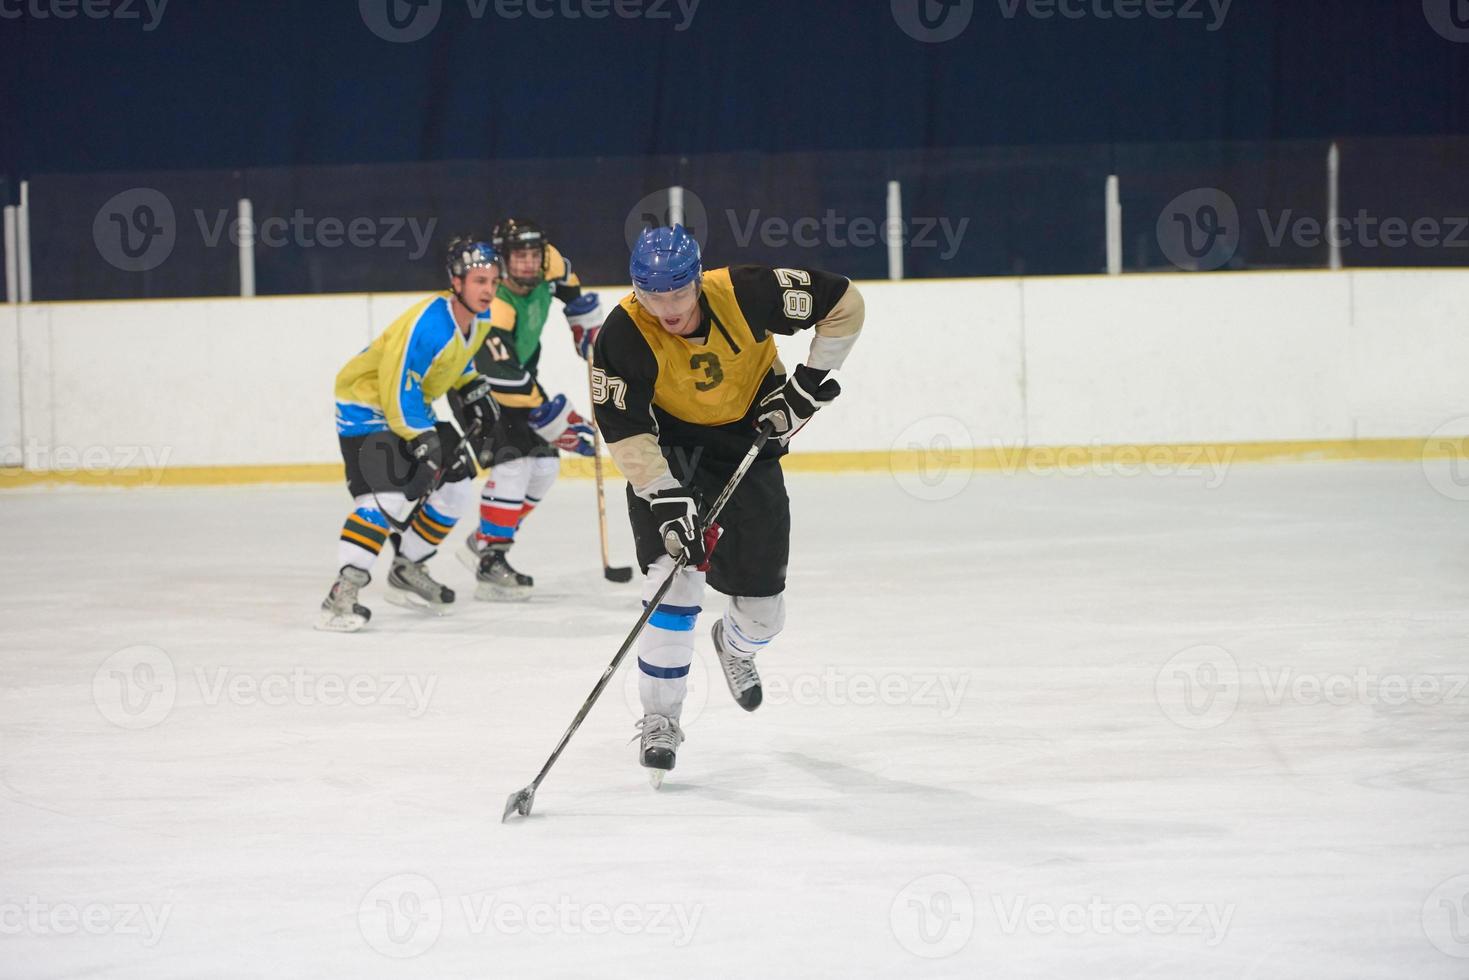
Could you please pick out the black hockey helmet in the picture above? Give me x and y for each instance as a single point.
(517, 234)
(470, 252)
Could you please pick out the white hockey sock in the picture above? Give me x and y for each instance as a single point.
(752, 622)
(365, 531)
(503, 498)
(436, 519)
(666, 646)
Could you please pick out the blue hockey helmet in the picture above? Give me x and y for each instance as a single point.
(665, 259)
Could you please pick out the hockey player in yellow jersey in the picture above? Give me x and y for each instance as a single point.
(385, 397)
(684, 372)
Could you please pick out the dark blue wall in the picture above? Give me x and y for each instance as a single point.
(237, 83)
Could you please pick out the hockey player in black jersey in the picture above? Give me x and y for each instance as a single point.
(684, 372)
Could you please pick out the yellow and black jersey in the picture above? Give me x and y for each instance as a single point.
(700, 392)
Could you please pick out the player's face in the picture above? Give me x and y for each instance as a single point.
(677, 311)
(525, 263)
(477, 288)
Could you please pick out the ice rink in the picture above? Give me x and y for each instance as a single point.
(1019, 725)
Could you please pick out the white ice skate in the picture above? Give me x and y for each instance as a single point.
(340, 612)
(411, 586)
(660, 740)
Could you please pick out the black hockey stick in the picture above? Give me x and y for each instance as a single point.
(388, 452)
(521, 800)
(622, 574)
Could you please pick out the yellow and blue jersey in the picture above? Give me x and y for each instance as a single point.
(393, 383)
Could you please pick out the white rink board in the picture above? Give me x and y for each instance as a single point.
(989, 363)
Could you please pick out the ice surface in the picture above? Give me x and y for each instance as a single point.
(1048, 726)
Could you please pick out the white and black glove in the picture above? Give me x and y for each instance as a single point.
(426, 449)
(478, 405)
(677, 514)
(791, 406)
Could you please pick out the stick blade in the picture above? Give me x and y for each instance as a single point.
(617, 574)
(519, 802)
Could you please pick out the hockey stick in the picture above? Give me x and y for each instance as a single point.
(522, 800)
(623, 574)
(436, 481)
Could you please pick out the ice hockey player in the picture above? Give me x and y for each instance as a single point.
(385, 396)
(684, 373)
(523, 453)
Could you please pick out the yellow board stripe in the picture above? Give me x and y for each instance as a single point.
(896, 461)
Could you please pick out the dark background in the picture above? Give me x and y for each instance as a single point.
(790, 109)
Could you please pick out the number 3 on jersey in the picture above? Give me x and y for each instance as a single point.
(606, 386)
(713, 371)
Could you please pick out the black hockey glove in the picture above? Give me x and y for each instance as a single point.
(790, 407)
(426, 449)
(477, 404)
(677, 514)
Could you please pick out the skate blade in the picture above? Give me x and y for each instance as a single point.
(467, 558)
(655, 777)
(485, 592)
(412, 600)
(333, 623)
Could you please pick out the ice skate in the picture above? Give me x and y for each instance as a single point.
(340, 612)
(498, 582)
(661, 737)
(474, 549)
(739, 672)
(411, 586)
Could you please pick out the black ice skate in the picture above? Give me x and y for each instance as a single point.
(474, 549)
(340, 612)
(498, 582)
(739, 672)
(660, 740)
(411, 586)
